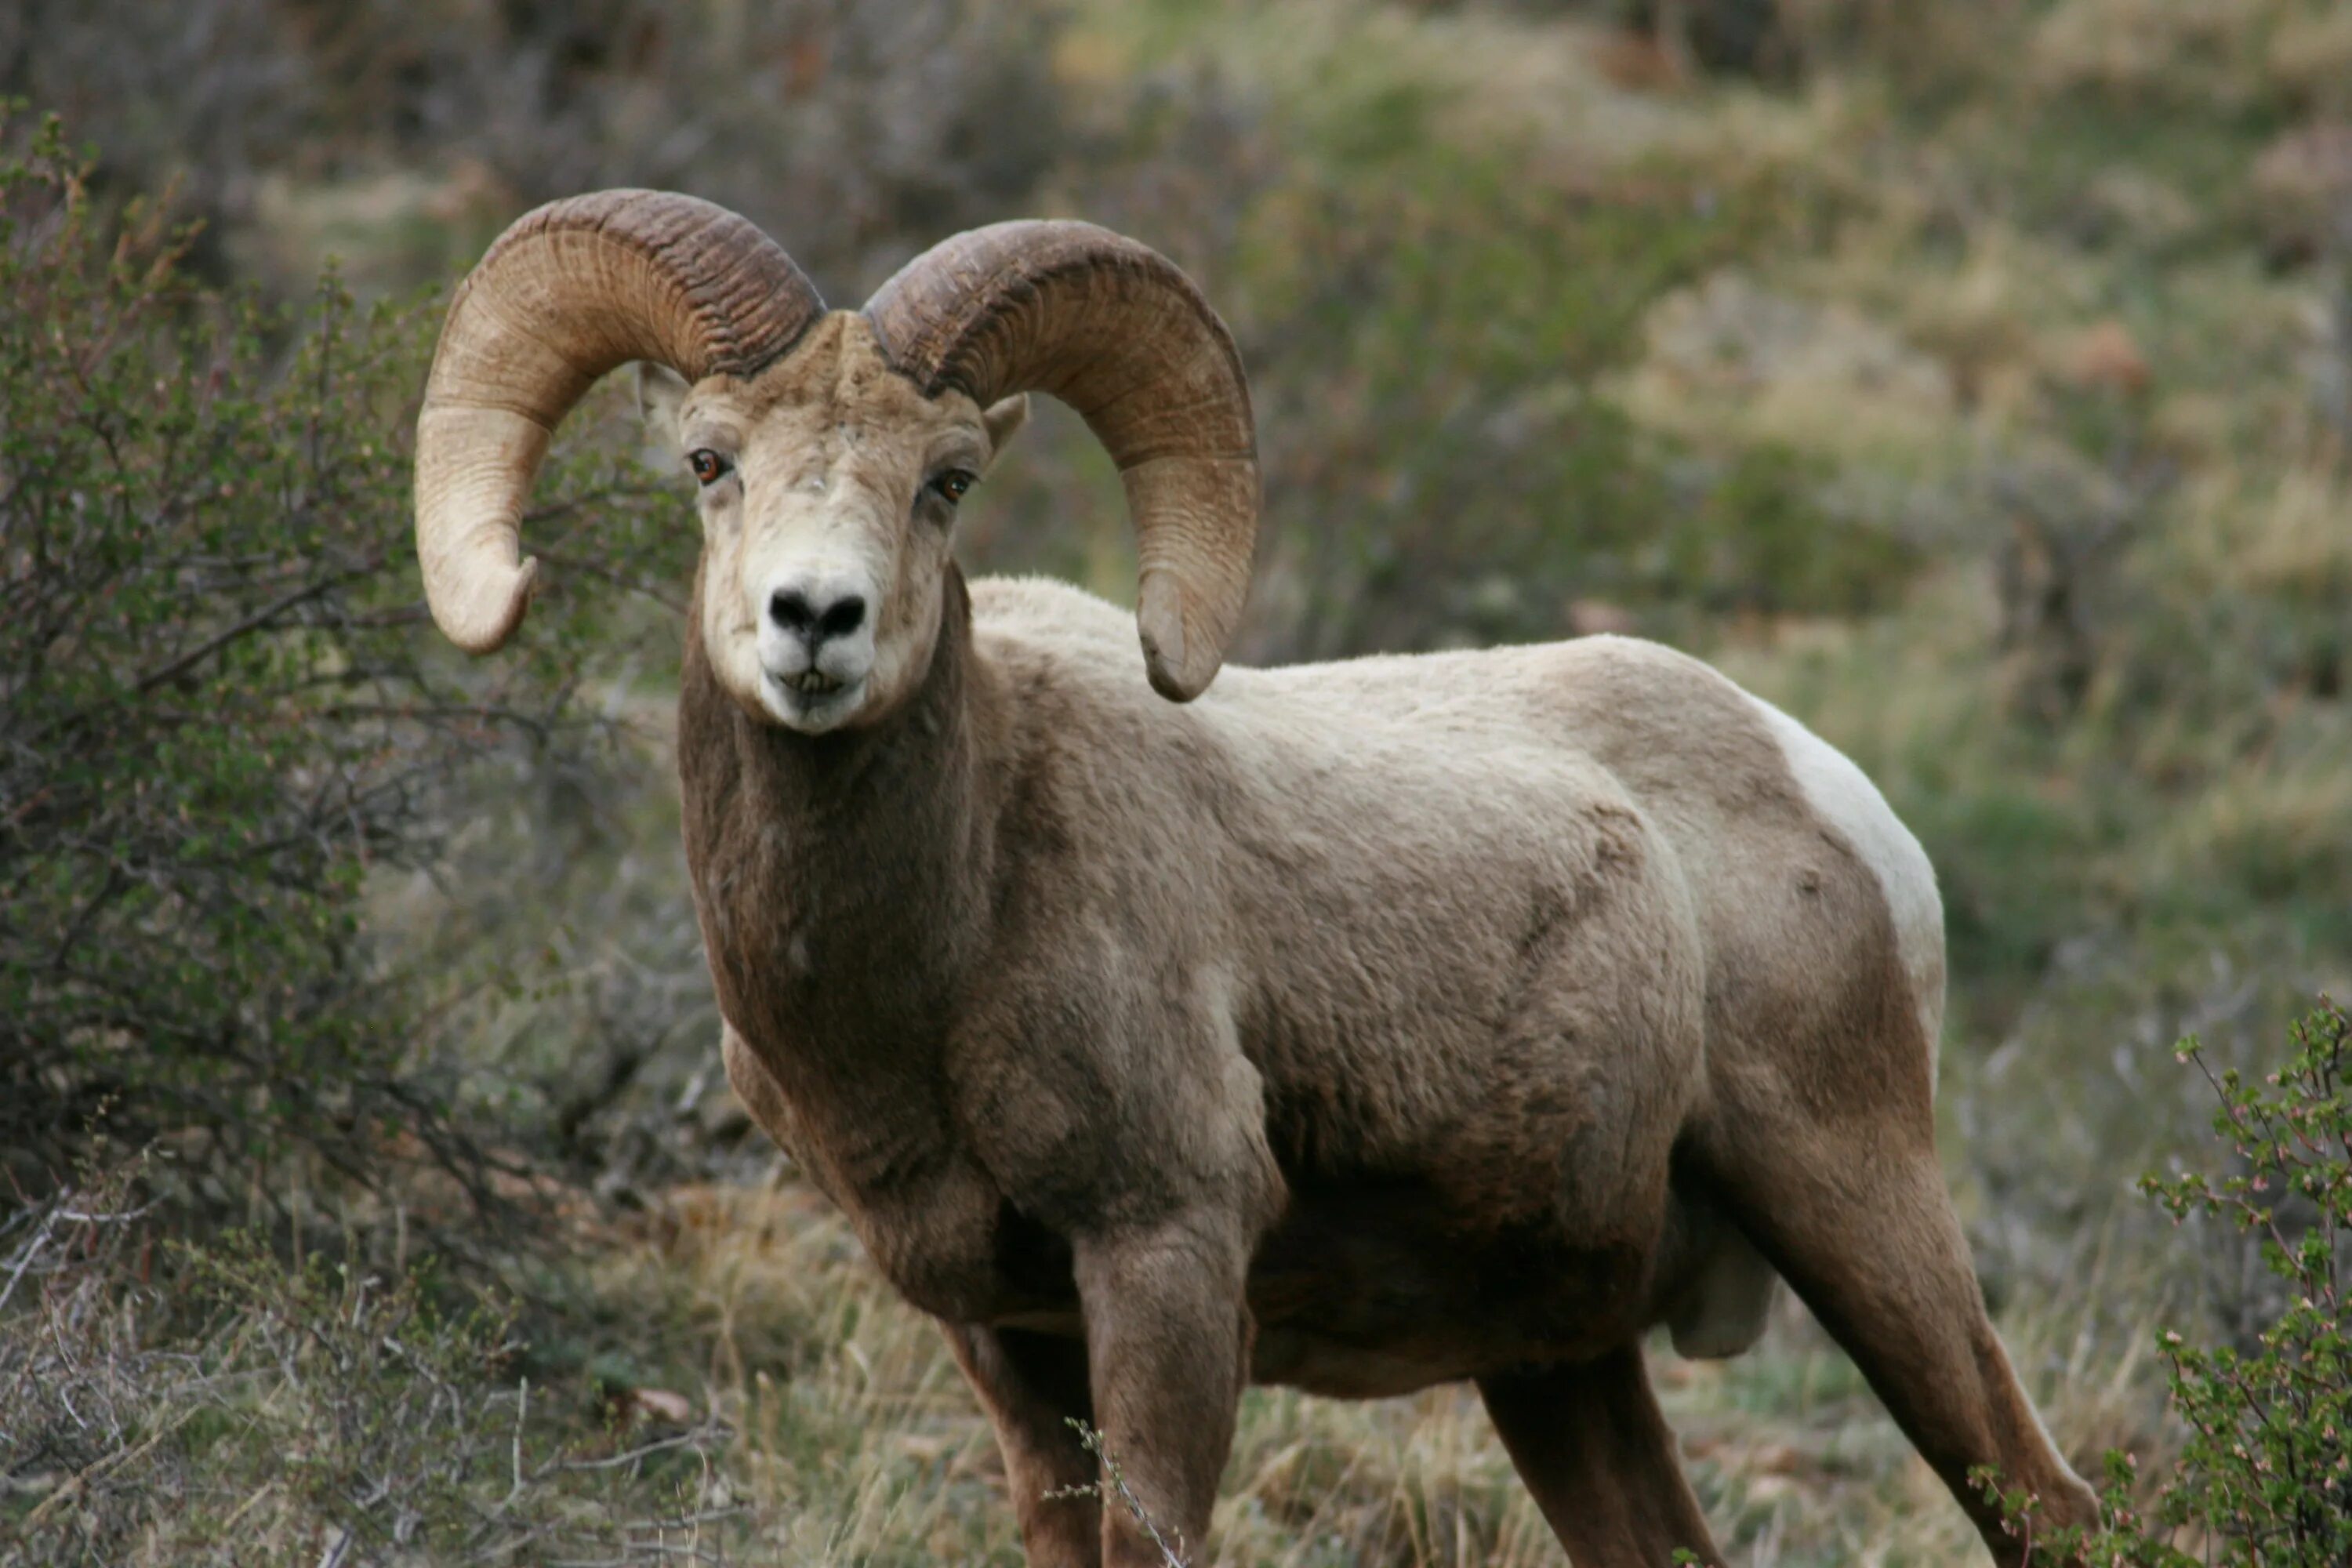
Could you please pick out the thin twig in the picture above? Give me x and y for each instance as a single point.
(253, 622)
(32, 1249)
(522, 1412)
(698, 1435)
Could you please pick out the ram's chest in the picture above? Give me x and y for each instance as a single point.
(831, 913)
(849, 1087)
(934, 1233)
(933, 1219)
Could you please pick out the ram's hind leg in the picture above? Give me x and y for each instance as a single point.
(1589, 1443)
(1852, 1212)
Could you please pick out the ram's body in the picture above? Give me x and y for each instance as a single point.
(1358, 1027)
(1460, 945)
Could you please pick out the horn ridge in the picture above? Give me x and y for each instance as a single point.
(570, 290)
(1010, 278)
(1118, 333)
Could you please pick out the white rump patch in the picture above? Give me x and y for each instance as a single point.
(1850, 803)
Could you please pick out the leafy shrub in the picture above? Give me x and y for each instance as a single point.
(2265, 1477)
(220, 704)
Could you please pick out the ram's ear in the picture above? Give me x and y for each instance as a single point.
(1005, 420)
(661, 391)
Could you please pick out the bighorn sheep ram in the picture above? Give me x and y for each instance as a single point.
(1357, 1027)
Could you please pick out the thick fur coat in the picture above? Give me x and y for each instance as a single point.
(1473, 1012)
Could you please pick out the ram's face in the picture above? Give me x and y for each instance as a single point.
(828, 489)
(831, 448)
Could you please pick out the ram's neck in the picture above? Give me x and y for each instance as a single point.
(842, 880)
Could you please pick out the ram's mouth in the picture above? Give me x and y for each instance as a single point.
(810, 700)
(811, 682)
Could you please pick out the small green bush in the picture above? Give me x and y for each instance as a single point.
(221, 704)
(2264, 1479)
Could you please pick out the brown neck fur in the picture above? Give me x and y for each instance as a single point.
(841, 880)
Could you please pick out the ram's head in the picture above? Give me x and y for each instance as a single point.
(831, 448)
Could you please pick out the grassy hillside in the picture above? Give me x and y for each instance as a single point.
(1972, 379)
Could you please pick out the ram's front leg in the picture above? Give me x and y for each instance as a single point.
(1168, 1348)
(1035, 1386)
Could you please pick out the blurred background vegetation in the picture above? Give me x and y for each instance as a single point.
(1971, 377)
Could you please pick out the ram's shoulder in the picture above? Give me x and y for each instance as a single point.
(1628, 666)
(1045, 612)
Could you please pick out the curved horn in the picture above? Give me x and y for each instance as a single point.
(572, 290)
(1112, 329)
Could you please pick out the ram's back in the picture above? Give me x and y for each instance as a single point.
(1461, 879)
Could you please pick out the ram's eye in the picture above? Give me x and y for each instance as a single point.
(708, 466)
(952, 484)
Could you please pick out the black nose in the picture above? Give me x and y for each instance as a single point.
(791, 609)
